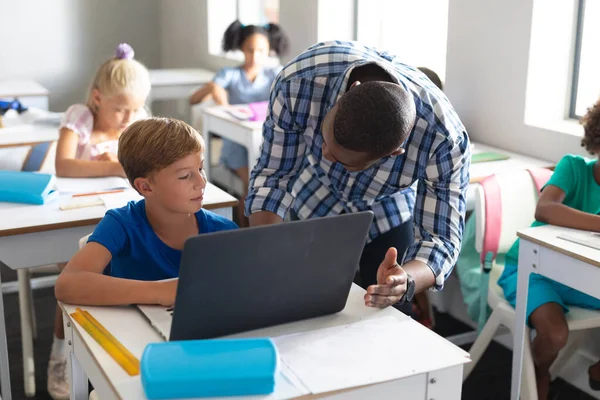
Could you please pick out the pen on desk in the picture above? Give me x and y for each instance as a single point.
(98, 193)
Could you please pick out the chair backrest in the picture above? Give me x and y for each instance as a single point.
(505, 203)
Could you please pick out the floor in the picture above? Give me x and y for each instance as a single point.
(490, 380)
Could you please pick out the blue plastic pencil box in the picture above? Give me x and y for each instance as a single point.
(209, 368)
(26, 187)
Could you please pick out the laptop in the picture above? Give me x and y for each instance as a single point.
(246, 279)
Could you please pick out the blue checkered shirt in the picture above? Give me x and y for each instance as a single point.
(427, 183)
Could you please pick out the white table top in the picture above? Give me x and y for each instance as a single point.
(19, 218)
(179, 77)
(515, 162)
(547, 236)
(221, 113)
(16, 88)
(21, 135)
(138, 333)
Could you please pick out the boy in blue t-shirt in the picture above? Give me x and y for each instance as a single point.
(571, 198)
(134, 248)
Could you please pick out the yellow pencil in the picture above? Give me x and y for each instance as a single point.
(110, 337)
(132, 368)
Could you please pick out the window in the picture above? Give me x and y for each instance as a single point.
(586, 79)
(415, 31)
(251, 12)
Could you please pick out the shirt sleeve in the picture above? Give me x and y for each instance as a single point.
(282, 151)
(564, 175)
(110, 234)
(440, 206)
(223, 78)
(80, 120)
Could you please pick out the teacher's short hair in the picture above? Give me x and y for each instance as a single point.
(374, 117)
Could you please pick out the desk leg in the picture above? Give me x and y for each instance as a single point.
(25, 309)
(528, 261)
(78, 380)
(254, 149)
(4, 367)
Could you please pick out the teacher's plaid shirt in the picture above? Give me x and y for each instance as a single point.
(428, 182)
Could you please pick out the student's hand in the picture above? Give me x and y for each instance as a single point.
(166, 291)
(391, 282)
(108, 157)
(219, 95)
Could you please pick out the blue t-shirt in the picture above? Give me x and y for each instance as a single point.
(137, 252)
(240, 90)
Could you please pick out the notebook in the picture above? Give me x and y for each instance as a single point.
(488, 156)
(26, 187)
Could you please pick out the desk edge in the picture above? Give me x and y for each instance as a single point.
(560, 250)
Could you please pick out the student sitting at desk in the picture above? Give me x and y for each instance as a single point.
(141, 243)
(136, 246)
(87, 146)
(571, 198)
(247, 83)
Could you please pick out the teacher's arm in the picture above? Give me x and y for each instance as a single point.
(269, 195)
(439, 214)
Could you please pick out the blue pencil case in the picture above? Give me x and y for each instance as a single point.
(209, 368)
(26, 187)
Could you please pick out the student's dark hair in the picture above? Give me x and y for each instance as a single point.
(591, 129)
(374, 117)
(237, 33)
(433, 77)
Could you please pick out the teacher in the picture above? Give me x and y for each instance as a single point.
(350, 129)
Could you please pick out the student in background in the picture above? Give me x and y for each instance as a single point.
(247, 83)
(134, 248)
(571, 198)
(87, 147)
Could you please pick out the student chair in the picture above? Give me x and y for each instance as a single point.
(505, 203)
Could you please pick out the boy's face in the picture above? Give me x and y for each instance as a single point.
(179, 187)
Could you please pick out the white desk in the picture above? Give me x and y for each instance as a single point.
(88, 359)
(216, 120)
(27, 135)
(543, 253)
(171, 84)
(516, 162)
(38, 235)
(29, 93)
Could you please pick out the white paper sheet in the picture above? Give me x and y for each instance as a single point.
(88, 185)
(370, 351)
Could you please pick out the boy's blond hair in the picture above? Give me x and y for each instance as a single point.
(149, 145)
(120, 75)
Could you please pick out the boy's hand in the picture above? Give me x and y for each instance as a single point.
(391, 282)
(166, 292)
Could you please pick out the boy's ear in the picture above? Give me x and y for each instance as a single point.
(143, 186)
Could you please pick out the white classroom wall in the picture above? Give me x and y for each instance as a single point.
(488, 63)
(61, 43)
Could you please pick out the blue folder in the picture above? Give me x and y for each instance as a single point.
(26, 187)
(209, 368)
